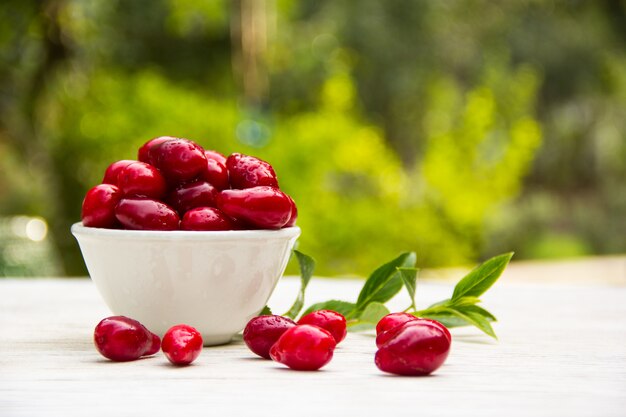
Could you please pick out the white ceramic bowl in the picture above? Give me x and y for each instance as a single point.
(213, 281)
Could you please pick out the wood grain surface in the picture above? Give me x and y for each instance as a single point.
(561, 352)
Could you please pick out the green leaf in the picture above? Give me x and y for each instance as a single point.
(409, 277)
(474, 319)
(266, 311)
(341, 307)
(447, 319)
(307, 266)
(384, 282)
(481, 278)
(465, 301)
(374, 312)
(479, 310)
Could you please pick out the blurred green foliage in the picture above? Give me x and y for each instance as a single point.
(455, 129)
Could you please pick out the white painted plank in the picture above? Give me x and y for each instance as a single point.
(562, 352)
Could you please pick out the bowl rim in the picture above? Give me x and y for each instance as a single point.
(78, 229)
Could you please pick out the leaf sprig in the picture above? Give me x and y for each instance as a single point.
(461, 309)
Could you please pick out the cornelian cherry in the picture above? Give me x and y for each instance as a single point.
(146, 214)
(216, 173)
(144, 152)
(330, 320)
(113, 170)
(139, 179)
(417, 348)
(304, 348)
(182, 344)
(179, 160)
(122, 339)
(99, 206)
(206, 218)
(392, 320)
(262, 332)
(264, 207)
(247, 171)
(191, 195)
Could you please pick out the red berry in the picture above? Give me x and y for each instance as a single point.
(216, 173)
(155, 345)
(294, 213)
(262, 332)
(179, 160)
(263, 207)
(121, 338)
(247, 171)
(141, 180)
(392, 320)
(182, 344)
(144, 152)
(206, 218)
(113, 170)
(146, 214)
(417, 348)
(304, 348)
(216, 156)
(385, 336)
(99, 206)
(330, 320)
(192, 195)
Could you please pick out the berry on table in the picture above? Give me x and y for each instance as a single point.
(262, 332)
(182, 344)
(121, 339)
(304, 348)
(330, 320)
(417, 348)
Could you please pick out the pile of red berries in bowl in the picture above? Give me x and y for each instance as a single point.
(184, 235)
(175, 184)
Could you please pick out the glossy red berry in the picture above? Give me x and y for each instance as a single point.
(262, 332)
(146, 214)
(417, 348)
(121, 339)
(293, 216)
(206, 218)
(182, 344)
(248, 171)
(304, 348)
(192, 195)
(392, 320)
(384, 336)
(179, 160)
(155, 345)
(144, 152)
(216, 173)
(216, 156)
(99, 206)
(330, 320)
(141, 180)
(113, 170)
(263, 207)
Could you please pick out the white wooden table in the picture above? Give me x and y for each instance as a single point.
(562, 352)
